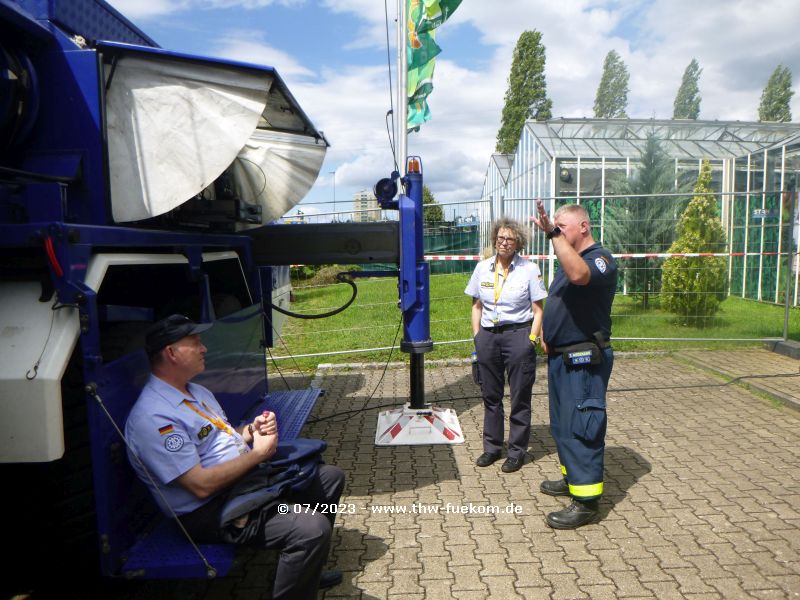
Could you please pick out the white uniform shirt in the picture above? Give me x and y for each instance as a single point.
(170, 438)
(523, 287)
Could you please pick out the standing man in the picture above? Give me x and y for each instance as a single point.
(576, 332)
(507, 292)
(180, 433)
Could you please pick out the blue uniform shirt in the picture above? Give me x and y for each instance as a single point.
(574, 312)
(523, 287)
(170, 438)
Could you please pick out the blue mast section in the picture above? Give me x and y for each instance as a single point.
(414, 282)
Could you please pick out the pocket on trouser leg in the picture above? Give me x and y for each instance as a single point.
(589, 420)
(476, 373)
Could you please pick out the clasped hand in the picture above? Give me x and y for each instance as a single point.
(265, 433)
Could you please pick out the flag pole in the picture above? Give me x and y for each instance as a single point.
(402, 86)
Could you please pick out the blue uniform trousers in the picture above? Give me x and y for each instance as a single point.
(578, 421)
(303, 538)
(511, 351)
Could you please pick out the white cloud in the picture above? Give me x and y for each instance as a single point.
(247, 46)
(148, 9)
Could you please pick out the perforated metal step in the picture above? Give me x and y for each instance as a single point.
(291, 409)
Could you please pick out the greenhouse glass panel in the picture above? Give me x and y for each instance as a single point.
(591, 178)
(740, 175)
(757, 172)
(567, 181)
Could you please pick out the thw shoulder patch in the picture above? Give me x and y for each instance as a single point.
(600, 264)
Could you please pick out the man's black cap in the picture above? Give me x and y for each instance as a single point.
(168, 331)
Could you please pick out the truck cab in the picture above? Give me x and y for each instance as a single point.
(132, 179)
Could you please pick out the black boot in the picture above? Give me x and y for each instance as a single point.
(486, 459)
(555, 488)
(575, 515)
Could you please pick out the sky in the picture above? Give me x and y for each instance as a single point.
(333, 56)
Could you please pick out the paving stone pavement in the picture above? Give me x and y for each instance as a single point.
(702, 492)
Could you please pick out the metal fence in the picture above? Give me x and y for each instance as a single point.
(754, 257)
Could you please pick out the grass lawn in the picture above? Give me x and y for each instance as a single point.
(372, 322)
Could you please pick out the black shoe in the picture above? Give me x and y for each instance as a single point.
(555, 488)
(486, 459)
(575, 515)
(329, 579)
(512, 464)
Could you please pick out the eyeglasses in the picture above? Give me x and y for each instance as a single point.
(501, 239)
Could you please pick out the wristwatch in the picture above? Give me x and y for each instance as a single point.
(554, 232)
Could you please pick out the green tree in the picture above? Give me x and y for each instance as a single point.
(693, 287)
(640, 222)
(526, 96)
(776, 97)
(612, 93)
(432, 212)
(687, 100)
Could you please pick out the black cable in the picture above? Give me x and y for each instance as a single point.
(386, 365)
(377, 385)
(257, 166)
(704, 385)
(350, 412)
(285, 347)
(391, 91)
(341, 277)
(389, 133)
(29, 175)
(275, 363)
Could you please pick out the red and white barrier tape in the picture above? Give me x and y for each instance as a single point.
(475, 257)
(478, 257)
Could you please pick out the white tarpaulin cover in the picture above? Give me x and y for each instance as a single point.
(174, 126)
(276, 171)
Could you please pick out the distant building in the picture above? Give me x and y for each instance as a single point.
(365, 207)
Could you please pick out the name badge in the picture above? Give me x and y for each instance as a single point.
(581, 357)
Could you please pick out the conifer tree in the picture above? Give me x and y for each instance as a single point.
(687, 100)
(641, 221)
(693, 287)
(776, 97)
(612, 93)
(432, 211)
(526, 96)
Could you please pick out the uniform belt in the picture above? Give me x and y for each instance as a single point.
(554, 351)
(507, 327)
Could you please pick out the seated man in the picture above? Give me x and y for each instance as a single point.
(181, 434)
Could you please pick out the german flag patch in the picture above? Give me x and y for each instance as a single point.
(165, 429)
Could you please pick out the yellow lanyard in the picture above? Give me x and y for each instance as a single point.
(213, 418)
(498, 291)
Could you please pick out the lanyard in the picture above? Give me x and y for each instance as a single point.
(498, 291)
(213, 418)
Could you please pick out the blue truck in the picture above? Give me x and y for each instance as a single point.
(136, 182)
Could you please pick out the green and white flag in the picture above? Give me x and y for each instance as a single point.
(424, 16)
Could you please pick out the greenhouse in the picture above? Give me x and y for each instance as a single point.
(755, 171)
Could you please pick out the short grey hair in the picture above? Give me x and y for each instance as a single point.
(519, 232)
(574, 209)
